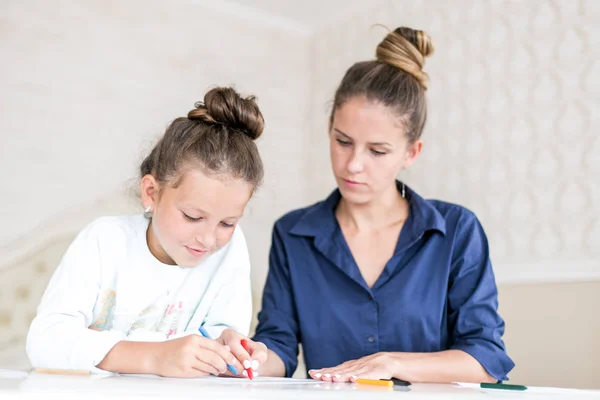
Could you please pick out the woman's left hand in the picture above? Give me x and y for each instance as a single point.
(375, 366)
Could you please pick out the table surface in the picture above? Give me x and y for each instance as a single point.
(33, 385)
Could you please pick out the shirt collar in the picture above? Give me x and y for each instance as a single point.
(320, 218)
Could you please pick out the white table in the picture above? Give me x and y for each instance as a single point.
(36, 386)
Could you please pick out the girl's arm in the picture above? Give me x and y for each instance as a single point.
(59, 336)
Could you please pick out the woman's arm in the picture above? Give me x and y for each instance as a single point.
(273, 366)
(278, 321)
(474, 325)
(442, 367)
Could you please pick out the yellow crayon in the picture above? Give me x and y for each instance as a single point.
(375, 382)
(61, 371)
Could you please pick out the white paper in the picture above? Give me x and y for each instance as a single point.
(261, 380)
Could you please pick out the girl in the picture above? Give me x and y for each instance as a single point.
(375, 281)
(130, 291)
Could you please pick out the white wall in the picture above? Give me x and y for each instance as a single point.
(88, 87)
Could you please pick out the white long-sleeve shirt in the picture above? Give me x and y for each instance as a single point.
(109, 279)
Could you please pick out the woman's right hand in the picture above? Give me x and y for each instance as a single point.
(192, 356)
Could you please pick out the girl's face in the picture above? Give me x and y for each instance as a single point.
(193, 218)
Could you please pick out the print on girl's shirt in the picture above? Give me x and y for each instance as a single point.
(105, 318)
(158, 320)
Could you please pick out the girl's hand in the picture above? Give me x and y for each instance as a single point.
(192, 356)
(253, 358)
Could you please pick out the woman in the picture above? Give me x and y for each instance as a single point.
(376, 282)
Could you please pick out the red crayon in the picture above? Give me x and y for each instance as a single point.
(248, 370)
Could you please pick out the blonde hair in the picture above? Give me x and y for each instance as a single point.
(406, 49)
(395, 79)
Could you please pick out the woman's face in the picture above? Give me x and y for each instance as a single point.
(368, 148)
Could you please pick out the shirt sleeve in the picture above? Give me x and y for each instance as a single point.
(278, 322)
(475, 325)
(232, 306)
(59, 337)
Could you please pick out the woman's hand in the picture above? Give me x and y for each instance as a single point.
(253, 358)
(375, 366)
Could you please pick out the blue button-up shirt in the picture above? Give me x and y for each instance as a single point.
(437, 292)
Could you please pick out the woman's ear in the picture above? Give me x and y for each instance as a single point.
(149, 189)
(412, 153)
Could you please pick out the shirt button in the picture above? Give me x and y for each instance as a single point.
(371, 339)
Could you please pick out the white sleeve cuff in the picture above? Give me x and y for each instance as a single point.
(91, 348)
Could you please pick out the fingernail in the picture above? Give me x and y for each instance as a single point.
(228, 348)
(337, 376)
(254, 364)
(244, 373)
(317, 375)
(354, 377)
(327, 376)
(255, 374)
(247, 364)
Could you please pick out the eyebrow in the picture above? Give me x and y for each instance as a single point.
(371, 143)
(204, 212)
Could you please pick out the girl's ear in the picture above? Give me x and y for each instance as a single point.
(149, 189)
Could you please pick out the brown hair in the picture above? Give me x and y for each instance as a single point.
(395, 79)
(217, 135)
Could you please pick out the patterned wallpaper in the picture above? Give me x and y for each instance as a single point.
(21, 287)
(512, 133)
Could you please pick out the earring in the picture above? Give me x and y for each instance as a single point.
(148, 211)
(403, 191)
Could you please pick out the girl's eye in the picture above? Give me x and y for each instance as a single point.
(378, 153)
(191, 218)
(226, 225)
